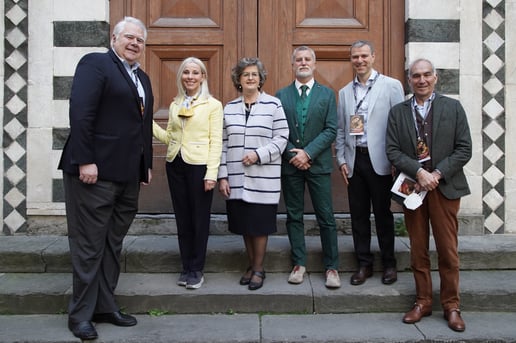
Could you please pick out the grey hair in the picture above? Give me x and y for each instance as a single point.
(120, 26)
(243, 63)
(302, 48)
(413, 63)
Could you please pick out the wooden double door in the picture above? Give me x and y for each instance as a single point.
(220, 32)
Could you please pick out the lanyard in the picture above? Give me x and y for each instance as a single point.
(367, 92)
(415, 112)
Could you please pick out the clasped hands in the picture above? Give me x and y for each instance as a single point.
(427, 181)
(301, 160)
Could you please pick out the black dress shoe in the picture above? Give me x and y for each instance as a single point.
(116, 318)
(390, 276)
(253, 286)
(83, 330)
(244, 280)
(361, 275)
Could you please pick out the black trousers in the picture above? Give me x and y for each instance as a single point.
(367, 188)
(98, 218)
(192, 206)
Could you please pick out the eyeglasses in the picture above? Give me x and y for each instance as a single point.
(250, 75)
(131, 37)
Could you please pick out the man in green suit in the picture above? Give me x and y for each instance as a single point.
(428, 139)
(311, 113)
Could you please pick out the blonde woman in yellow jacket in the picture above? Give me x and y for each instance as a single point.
(194, 145)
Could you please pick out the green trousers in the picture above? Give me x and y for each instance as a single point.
(319, 187)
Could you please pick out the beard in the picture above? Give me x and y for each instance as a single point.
(304, 73)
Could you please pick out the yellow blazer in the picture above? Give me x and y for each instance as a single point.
(198, 137)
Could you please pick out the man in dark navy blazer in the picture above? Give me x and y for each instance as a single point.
(106, 156)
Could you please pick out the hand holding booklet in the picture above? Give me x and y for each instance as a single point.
(405, 187)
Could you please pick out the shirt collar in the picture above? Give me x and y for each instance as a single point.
(129, 68)
(310, 84)
(426, 103)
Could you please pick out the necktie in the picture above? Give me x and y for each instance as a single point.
(140, 98)
(304, 88)
(135, 73)
(301, 110)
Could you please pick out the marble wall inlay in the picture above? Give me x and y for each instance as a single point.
(493, 113)
(15, 119)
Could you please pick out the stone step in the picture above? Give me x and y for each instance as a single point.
(165, 224)
(48, 293)
(160, 254)
(267, 328)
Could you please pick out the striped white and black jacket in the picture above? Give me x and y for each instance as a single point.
(266, 132)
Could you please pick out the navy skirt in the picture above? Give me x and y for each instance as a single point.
(251, 219)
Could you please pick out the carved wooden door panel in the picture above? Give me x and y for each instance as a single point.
(221, 31)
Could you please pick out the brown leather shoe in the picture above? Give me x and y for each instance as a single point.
(361, 275)
(418, 311)
(390, 276)
(454, 319)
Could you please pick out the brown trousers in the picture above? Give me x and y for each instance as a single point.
(441, 213)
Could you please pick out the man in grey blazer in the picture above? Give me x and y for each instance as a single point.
(439, 125)
(363, 108)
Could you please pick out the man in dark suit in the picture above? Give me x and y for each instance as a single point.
(311, 113)
(428, 139)
(106, 156)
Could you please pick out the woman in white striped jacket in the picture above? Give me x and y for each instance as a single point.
(255, 133)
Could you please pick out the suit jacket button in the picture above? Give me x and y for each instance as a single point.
(297, 140)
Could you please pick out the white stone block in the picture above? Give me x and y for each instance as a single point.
(471, 100)
(510, 205)
(39, 165)
(40, 63)
(435, 9)
(443, 55)
(60, 116)
(70, 10)
(472, 203)
(510, 114)
(66, 59)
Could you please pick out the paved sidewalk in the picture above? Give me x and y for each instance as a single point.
(243, 328)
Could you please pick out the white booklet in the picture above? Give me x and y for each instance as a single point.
(405, 187)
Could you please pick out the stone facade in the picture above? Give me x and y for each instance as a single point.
(468, 40)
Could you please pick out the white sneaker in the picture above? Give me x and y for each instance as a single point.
(296, 276)
(332, 278)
